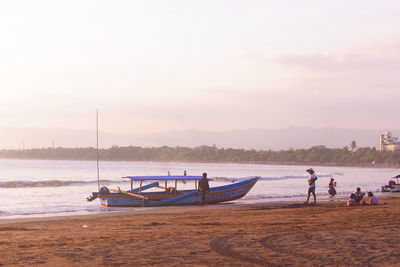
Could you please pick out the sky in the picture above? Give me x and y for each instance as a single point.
(154, 66)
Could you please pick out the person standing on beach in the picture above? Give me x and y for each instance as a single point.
(204, 188)
(311, 185)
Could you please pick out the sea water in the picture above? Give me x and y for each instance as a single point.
(53, 187)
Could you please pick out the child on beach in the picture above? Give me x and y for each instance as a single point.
(332, 190)
(351, 201)
(372, 199)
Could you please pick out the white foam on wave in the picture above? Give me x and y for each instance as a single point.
(276, 178)
(49, 183)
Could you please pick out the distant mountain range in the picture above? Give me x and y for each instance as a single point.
(274, 139)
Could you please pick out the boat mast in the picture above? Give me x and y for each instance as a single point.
(97, 148)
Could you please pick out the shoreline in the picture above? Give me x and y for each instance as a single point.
(136, 210)
(115, 211)
(273, 234)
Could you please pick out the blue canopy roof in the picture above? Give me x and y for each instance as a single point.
(163, 178)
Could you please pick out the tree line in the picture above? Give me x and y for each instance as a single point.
(314, 155)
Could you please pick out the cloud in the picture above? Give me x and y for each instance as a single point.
(346, 62)
(379, 57)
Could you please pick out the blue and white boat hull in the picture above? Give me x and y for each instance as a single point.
(184, 197)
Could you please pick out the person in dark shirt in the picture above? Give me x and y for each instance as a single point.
(359, 195)
(204, 187)
(332, 190)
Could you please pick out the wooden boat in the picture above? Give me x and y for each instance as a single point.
(392, 186)
(169, 196)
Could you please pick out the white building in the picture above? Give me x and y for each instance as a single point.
(388, 142)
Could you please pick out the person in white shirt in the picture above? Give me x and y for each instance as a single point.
(311, 185)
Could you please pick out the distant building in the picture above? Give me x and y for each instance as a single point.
(388, 142)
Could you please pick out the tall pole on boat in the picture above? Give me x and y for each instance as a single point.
(97, 148)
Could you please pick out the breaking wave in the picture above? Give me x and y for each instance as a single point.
(277, 178)
(49, 183)
(60, 183)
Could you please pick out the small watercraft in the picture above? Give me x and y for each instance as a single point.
(168, 195)
(392, 186)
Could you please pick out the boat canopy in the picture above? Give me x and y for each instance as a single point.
(164, 178)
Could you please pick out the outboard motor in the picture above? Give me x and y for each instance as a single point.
(103, 191)
(92, 197)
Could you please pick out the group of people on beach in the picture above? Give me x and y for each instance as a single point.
(356, 198)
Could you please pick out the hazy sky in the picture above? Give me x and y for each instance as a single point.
(153, 66)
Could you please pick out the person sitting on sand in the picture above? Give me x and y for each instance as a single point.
(311, 185)
(204, 187)
(359, 195)
(372, 200)
(351, 201)
(332, 190)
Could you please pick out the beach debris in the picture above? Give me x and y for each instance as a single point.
(85, 226)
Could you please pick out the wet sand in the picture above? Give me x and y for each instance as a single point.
(329, 234)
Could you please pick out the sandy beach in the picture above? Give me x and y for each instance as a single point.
(329, 234)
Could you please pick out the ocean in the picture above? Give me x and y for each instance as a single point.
(37, 188)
